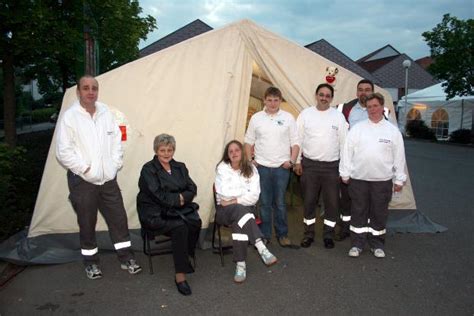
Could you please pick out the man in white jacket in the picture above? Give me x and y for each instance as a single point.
(322, 131)
(88, 144)
(373, 163)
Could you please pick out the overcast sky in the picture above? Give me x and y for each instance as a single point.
(356, 27)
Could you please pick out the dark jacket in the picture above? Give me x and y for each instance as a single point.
(158, 200)
(347, 107)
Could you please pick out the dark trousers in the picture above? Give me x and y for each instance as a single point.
(345, 207)
(86, 199)
(369, 212)
(183, 239)
(320, 177)
(244, 229)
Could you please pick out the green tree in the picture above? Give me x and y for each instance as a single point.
(44, 40)
(19, 35)
(452, 49)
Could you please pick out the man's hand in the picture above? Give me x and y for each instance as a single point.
(181, 200)
(298, 169)
(286, 165)
(346, 181)
(397, 188)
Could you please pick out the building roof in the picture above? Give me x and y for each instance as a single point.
(188, 31)
(325, 49)
(384, 52)
(392, 74)
(386, 65)
(425, 62)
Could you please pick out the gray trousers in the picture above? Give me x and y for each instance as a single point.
(369, 212)
(320, 177)
(244, 229)
(345, 207)
(86, 199)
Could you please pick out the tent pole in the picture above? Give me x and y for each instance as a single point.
(462, 112)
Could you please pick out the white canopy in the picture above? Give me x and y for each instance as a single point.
(424, 103)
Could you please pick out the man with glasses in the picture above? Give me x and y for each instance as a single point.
(321, 134)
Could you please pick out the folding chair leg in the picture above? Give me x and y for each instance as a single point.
(221, 252)
(150, 262)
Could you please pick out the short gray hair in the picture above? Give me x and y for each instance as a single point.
(164, 140)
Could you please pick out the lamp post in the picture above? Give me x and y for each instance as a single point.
(406, 64)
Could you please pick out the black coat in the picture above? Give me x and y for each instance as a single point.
(158, 200)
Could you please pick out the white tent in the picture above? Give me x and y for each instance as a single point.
(431, 106)
(199, 91)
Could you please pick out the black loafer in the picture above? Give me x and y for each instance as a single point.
(328, 243)
(306, 242)
(183, 287)
(342, 236)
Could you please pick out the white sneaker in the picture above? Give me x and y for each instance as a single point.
(240, 273)
(267, 257)
(131, 266)
(355, 252)
(378, 253)
(93, 272)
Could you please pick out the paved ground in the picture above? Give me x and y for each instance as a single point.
(424, 274)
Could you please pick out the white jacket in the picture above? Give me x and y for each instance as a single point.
(374, 152)
(83, 141)
(230, 184)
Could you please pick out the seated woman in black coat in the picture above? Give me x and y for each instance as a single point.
(165, 205)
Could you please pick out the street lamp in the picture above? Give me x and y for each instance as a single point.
(406, 64)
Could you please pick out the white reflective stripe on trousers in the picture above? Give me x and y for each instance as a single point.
(346, 218)
(240, 237)
(121, 245)
(377, 232)
(329, 223)
(89, 252)
(309, 221)
(244, 219)
(359, 230)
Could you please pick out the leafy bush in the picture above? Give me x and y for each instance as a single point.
(461, 136)
(418, 129)
(42, 115)
(21, 170)
(12, 161)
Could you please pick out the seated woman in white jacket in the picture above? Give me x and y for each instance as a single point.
(237, 189)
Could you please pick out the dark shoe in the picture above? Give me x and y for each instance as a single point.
(183, 287)
(328, 243)
(306, 242)
(341, 236)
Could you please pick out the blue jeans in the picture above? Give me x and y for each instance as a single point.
(273, 183)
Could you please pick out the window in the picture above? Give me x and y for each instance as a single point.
(440, 124)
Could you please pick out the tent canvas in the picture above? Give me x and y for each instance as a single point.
(198, 91)
(424, 103)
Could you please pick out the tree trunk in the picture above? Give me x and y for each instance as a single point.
(9, 106)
